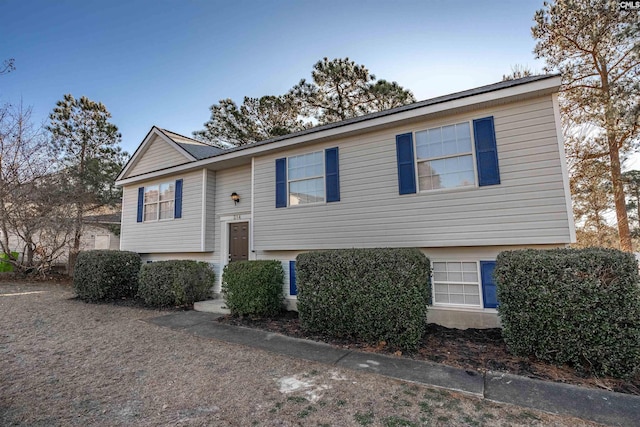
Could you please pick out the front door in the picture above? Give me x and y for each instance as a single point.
(238, 241)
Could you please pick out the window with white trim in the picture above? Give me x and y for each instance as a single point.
(159, 201)
(445, 157)
(456, 283)
(305, 178)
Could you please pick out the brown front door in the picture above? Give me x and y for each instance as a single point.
(238, 241)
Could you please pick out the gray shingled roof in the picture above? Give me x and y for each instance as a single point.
(113, 218)
(197, 149)
(433, 101)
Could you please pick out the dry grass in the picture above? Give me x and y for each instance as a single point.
(64, 362)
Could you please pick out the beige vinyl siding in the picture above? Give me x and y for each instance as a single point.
(158, 155)
(450, 316)
(228, 181)
(528, 207)
(210, 212)
(175, 235)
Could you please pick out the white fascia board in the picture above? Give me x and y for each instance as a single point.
(541, 86)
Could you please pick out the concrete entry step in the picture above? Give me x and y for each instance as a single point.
(212, 306)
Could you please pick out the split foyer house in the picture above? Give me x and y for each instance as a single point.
(462, 177)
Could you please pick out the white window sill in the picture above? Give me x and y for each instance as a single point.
(449, 190)
(151, 221)
(454, 307)
(306, 205)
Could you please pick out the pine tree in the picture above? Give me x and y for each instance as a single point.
(596, 48)
(87, 144)
(257, 119)
(340, 89)
(632, 186)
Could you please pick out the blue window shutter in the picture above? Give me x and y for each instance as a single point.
(293, 288)
(486, 152)
(281, 183)
(406, 164)
(489, 295)
(178, 202)
(332, 177)
(140, 203)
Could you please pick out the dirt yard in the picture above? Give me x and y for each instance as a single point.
(65, 362)
(475, 349)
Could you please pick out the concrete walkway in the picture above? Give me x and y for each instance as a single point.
(615, 409)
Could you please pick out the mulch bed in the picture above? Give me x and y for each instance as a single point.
(477, 349)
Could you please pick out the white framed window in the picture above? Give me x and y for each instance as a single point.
(159, 201)
(445, 157)
(305, 179)
(456, 283)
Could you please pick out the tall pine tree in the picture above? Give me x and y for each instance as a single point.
(257, 119)
(87, 144)
(339, 89)
(596, 47)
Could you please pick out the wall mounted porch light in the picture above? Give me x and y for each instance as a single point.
(235, 197)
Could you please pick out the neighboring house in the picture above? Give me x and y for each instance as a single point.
(462, 177)
(100, 231)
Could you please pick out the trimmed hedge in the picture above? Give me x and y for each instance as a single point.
(371, 295)
(102, 275)
(175, 282)
(253, 287)
(574, 306)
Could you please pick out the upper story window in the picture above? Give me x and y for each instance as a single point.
(312, 178)
(448, 157)
(445, 157)
(159, 201)
(305, 177)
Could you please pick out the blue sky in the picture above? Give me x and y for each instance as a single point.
(165, 62)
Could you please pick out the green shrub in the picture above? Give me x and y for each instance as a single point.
(365, 294)
(6, 266)
(580, 307)
(102, 274)
(253, 287)
(175, 282)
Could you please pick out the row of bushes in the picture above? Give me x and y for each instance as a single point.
(564, 306)
(365, 294)
(580, 307)
(250, 287)
(107, 275)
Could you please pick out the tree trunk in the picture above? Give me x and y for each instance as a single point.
(77, 235)
(75, 249)
(614, 156)
(29, 254)
(618, 195)
(598, 224)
